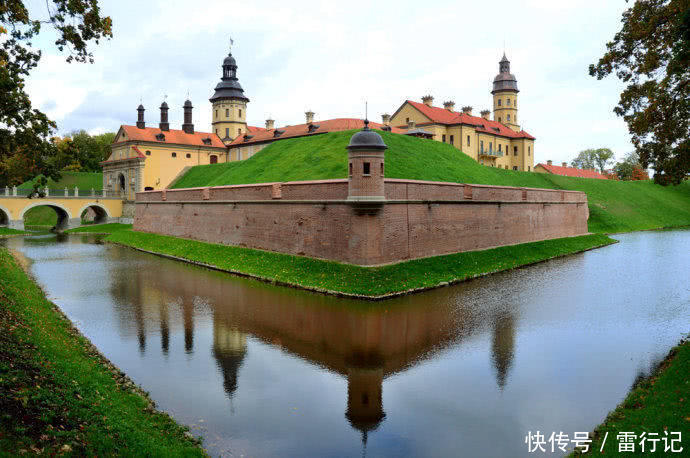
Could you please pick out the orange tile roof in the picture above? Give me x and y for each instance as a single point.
(444, 116)
(255, 129)
(300, 130)
(178, 137)
(572, 171)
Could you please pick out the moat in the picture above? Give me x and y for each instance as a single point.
(465, 370)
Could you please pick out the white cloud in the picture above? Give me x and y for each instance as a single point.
(332, 56)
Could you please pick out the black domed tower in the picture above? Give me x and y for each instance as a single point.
(505, 91)
(229, 103)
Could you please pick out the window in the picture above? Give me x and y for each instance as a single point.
(227, 131)
(500, 148)
(148, 188)
(515, 104)
(529, 150)
(381, 168)
(239, 131)
(188, 156)
(214, 159)
(499, 119)
(508, 102)
(451, 140)
(350, 168)
(468, 140)
(227, 112)
(481, 145)
(443, 138)
(515, 118)
(240, 112)
(515, 167)
(216, 113)
(514, 150)
(499, 102)
(367, 168)
(508, 118)
(148, 153)
(407, 120)
(491, 146)
(174, 154)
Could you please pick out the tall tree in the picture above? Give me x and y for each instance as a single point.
(593, 158)
(25, 132)
(651, 53)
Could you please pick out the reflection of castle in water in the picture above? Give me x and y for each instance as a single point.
(363, 342)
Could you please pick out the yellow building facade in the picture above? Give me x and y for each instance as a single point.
(497, 142)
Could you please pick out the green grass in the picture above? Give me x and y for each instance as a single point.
(40, 216)
(658, 403)
(8, 231)
(83, 180)
(58, 394)
(101, 228)
(355, 280)
(614, 206)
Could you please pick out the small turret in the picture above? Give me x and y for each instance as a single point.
(366, 162)
(164, 124)
(188, 126)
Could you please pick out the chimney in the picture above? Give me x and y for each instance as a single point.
(565, 164)
(164, 125)
(449, 105)
(188, 127)
(140, 117)
(410, 125)
(310, 116)
(485, 114)
(386, 118)
(428, 100)
(269, 124)
(549, 162)
(467, 110)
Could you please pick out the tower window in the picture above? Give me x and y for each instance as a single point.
(515, 151)
(443, 138)
(529, 150)
(240, 112)
(381, 168)
(508, 102)
(350, 168)
(174, 154)
(500, 147)
(148, 153)
(227, 131)
(491, 146)
(367, 168)
(189, 156)
(508, 118)
(216, 114)
(499, 119)
(452, 140)
(227, 112)
(499, 102)
(407, 120)
(468, 140)
(239, 131)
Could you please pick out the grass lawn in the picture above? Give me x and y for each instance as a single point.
(658, 403)
(614, 206)
(8, 231)
(83, 180)
(40, 216)
(354, 280)
(58, 394)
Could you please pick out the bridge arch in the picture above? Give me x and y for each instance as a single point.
(63, 215)
(102, 215)
(4, 217)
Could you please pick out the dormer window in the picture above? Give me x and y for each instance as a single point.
(313, 127)
(278, 132)
(248, 137)
(206, 141)
(160, 137)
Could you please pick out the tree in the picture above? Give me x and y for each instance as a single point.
(80, 151)
(651, 54)
(593, 158)
(25, 132)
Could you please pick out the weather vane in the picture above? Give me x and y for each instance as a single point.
(231, 43)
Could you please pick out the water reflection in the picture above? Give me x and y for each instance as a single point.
(261, 370)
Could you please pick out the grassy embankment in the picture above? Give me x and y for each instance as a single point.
(614, 206)
(656, 404)
(5, 231)
(345, 279)
(58, 394)
(45, 216)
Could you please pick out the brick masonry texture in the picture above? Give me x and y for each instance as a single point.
(419, 219)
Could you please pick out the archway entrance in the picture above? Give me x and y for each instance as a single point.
(4, 218)
(94, 214)
(122, 184)
(47, 216)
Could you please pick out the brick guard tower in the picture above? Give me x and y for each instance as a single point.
(365, 169)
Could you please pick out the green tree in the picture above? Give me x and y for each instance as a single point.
(651, 54)
(593, 158)
(25, 132)
(626, 169)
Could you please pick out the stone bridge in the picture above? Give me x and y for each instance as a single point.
(68, 208)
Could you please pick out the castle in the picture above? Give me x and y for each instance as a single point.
(151, 158)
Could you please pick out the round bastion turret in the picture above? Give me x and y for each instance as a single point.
(366, 166)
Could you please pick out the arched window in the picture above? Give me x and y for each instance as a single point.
(508, 102)
(499, 102)
(499, 119)
(227, 112)
(508, 118)
(174, 154)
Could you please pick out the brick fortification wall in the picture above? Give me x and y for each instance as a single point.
(314, 218)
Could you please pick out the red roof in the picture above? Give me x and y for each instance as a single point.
(572, 171)
(448, 117)
(255, 129)
(299, 130)
(178, 137)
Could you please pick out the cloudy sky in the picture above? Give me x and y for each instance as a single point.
(332, 56)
